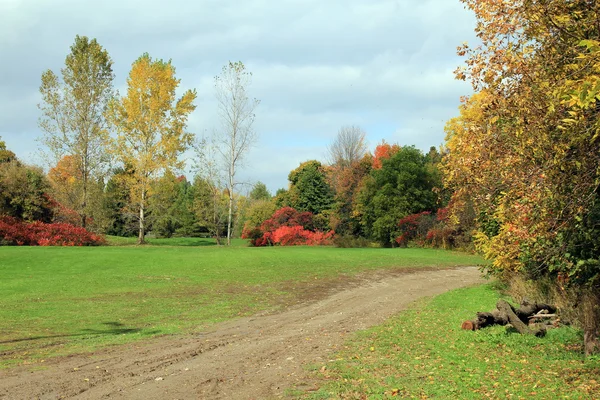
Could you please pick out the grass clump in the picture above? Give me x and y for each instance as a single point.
(423, 353)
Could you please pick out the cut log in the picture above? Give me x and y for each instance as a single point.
(528, 308)
(518, 318)
(515, 321)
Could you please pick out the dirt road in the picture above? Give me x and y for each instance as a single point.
(249, 358)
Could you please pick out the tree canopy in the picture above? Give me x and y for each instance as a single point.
(151, 127)
(525, 148)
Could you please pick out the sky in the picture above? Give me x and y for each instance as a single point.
(318, 65)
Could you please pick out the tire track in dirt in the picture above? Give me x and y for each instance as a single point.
(249, 358)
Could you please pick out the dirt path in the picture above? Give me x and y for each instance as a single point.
(250, 358)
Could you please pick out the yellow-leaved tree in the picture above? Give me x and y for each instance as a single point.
(150, 123)
(525, 150)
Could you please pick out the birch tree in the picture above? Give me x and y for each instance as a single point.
(236, 111)
(151, 127)
(73, 116)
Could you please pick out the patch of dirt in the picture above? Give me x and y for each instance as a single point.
(257, 357)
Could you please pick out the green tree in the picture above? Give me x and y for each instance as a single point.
(73, 116)
(309, 189)
(282, 198)
(151, 127)
(210, 207)
(258, 212)
(23, 189)
(115, 204)
(161, 216)
(253, 208)
(402, 186)
(259, 192)
(170, 208)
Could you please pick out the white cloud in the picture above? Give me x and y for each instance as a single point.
(383, 64)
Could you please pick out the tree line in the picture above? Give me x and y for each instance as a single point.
(89, 129)
(114, 161)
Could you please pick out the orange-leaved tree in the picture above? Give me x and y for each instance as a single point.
(383, 151)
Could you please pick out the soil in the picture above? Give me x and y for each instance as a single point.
(259, 357)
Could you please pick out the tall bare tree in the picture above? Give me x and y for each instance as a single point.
(73, 115)
(348, 147)
(236, 111)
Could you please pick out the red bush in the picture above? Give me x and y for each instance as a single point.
(288, 216)
(441, 236)
(288, 227)
(414, 227)
(17, 232)
(63, 213)
(423, 229)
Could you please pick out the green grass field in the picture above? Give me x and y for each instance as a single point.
(423, 353)
(60, 300)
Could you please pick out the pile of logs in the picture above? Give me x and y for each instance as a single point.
(529, 318)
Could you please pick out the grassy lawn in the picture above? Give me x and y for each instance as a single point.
(423, 353)
(59, 300)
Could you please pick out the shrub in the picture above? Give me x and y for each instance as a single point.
(349, 241)
(288, 227)
(414, 227)
(16, 232)
(424, 229)
(441, 236)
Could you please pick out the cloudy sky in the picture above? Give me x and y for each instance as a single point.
(385, 65)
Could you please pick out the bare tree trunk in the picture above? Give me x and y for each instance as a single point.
(231, 184)
(216, 217)
(591, 322)
(229, 219)
(141, 232)
(84, 191)
(84, 203)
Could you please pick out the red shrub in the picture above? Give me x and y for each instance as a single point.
(414, 227)
(288, 227)
(298, 236)
(442, 214)
(441, 236)
(16, 232)
(288, 216)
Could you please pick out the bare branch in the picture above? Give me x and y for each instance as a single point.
(348, 147)
(237, 135)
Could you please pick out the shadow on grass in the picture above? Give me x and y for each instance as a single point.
(113, 328)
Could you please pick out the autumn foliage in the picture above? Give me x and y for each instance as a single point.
(384, 151)
(288, 227)
(16, 232)
(414, 226)
(426, 229)
(525, 148)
